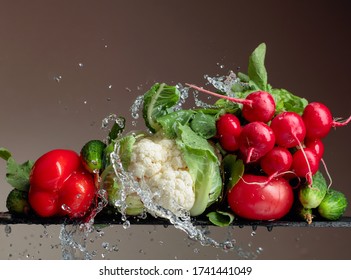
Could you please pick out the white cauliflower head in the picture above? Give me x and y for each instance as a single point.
(159, 164)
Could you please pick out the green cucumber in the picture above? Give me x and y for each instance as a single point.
(311, 196)
(92, 155)
(333, 205)
(17, 202)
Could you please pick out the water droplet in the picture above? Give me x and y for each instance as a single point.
(108, 98)
(128, 89)
(109, 86)
(66, 208)
(105, 245)
(80, 64)
(8, 230)
(253, 233)
(126, 224)
(220, 65)
(259, 250)
(85, 102)
(58, 78)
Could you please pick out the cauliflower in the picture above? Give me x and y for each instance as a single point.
(159, 164)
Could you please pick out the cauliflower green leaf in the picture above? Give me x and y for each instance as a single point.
(159, 100)
(204, 168)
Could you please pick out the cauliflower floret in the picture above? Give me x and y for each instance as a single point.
(159, 164)
(147, 158)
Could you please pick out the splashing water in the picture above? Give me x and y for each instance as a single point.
(73, 237)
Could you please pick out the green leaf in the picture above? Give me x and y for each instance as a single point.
(18, 174)
(257, 71)
(220, 218)
(4, 153)
(243, 77)
(233, 169)
(170, 121)
(204, 125)
(159, 101)
(203, 164)
(286, 101)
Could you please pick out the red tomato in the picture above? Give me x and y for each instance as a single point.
(258, 198)
(59, 186)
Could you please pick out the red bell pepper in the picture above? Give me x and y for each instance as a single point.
(59, 185)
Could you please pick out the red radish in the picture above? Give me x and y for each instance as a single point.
(228, 131)
(318, 120)
(277, 160)
(305, 164)
(262, 108)
(316, 145)
(256, 140)
(258, 198)
(257, 106)
(289, 129)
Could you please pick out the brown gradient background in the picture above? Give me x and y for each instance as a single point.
(125, 46)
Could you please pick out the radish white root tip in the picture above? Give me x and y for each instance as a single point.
(337, 123)
(327, 172)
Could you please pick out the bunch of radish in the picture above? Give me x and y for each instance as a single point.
(277, 148)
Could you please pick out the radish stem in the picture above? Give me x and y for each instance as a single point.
(233, 99)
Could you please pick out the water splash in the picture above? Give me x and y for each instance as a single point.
(73, 237)
(136, 107)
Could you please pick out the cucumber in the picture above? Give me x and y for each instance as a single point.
(17, 202)
(333, 205)
(92, 155)
(311, 196)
